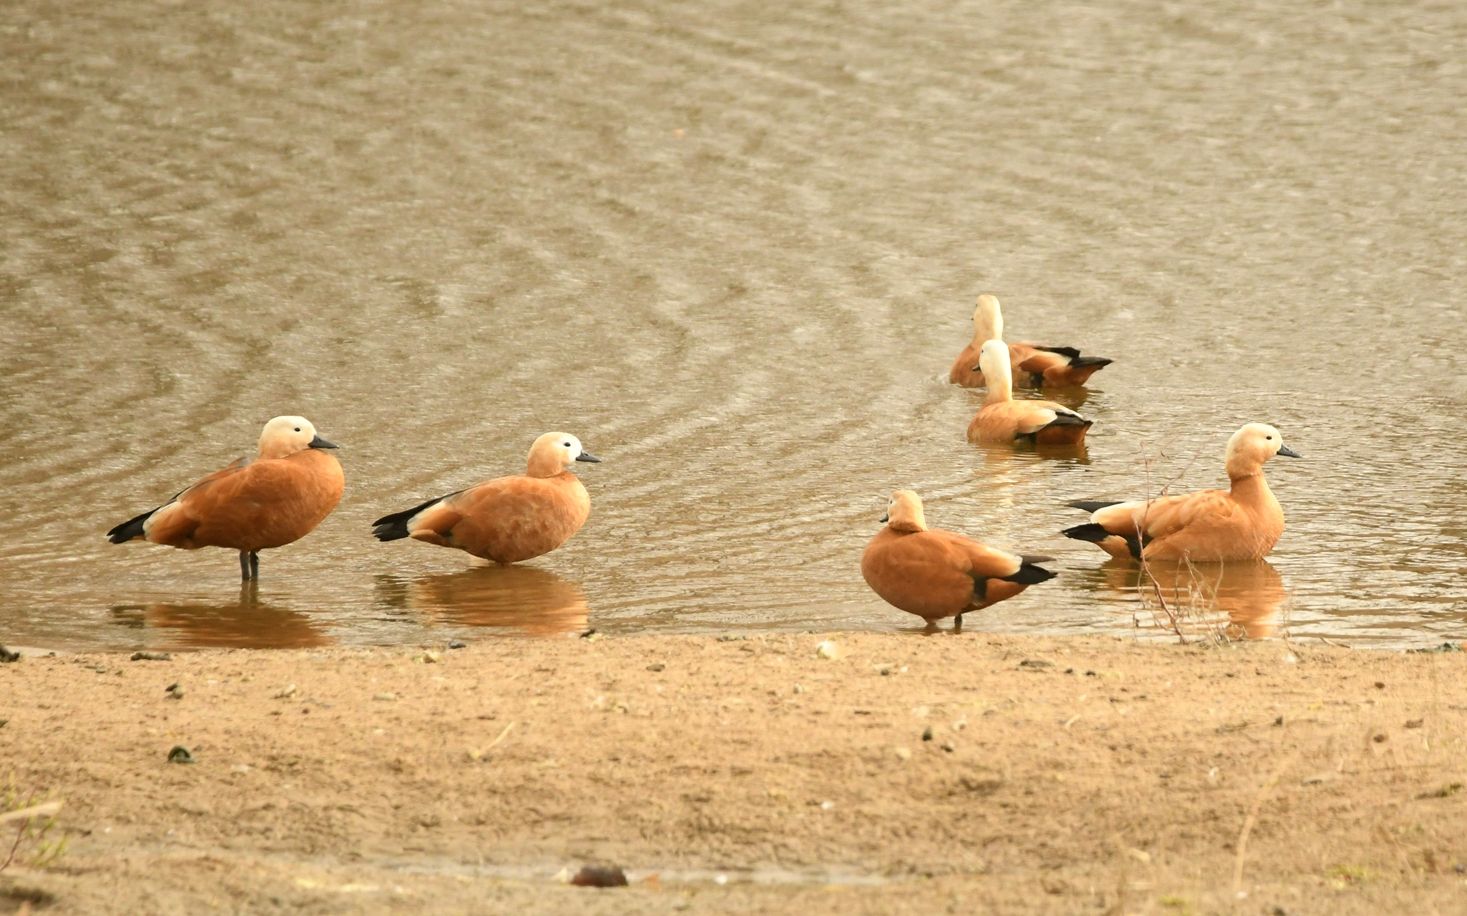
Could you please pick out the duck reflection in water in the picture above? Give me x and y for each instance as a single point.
(245, 624)
(534, 601)
(1250, 592)
(1005, 455)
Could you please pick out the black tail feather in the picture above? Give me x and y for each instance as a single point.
(394, 527)
(1069, 352)
(1096, 533)
(1087, 532)
(130, 529)
(1068, 419)
(1092, 505)
(1029, 574)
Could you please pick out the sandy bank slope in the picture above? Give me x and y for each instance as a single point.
(1063, 776)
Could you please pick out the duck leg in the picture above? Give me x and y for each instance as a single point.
(249, 565)
(958, 624)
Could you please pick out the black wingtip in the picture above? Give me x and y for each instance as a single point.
(130, 529)
(1099, 362)
(1091, 505)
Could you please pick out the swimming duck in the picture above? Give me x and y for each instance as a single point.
(1003, 419)
(1243, 522)
(1032, 365)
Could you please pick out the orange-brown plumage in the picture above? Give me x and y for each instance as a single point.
(506, 519)
(936, 574)
(1052, 367)
(1003, 419)
(965, 371)
(1030, 364)
(1243, 522)
(253, 504)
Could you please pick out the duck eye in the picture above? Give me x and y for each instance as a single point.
(297, 429)
(1269, 438)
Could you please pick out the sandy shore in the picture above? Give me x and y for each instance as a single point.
(748, 775)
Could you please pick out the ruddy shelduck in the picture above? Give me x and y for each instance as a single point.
(1243, 522)
(506, 519)
(1031, 364)
(937, 574)
(1003, 419)
(253, 504)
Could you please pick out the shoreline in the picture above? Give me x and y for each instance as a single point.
(1012, 773)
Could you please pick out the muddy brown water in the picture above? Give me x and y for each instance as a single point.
(733, 248)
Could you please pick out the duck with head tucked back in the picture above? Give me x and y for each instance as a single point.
(1243, 522)
(1031, 364)
(1003, 419)
(937, 574)
(506, 519)
(254, 503)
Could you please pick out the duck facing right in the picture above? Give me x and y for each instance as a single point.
(1243, 522)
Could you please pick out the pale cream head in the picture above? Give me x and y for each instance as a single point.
(1253, 445)
(284, 436)
(993, 359)
(553, 453)
(904, 512)
(987, 319)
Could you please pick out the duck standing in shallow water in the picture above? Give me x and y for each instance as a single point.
(937, 574)
(254, 503)
(506, 519)
(1003, 419)
(1030, 364)
(1243, 522)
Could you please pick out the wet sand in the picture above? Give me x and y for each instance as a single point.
(749, 775)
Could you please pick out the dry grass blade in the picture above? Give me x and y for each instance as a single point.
(1252, 819)
(480, 753)
(43, 810)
